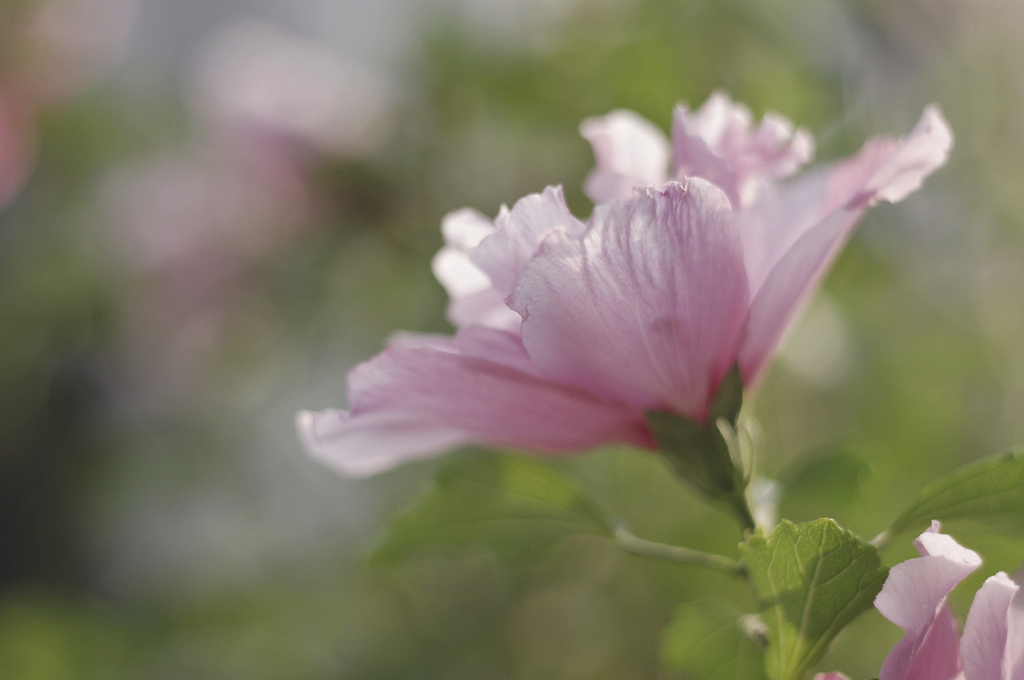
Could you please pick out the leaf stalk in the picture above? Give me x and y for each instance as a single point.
(674, 553)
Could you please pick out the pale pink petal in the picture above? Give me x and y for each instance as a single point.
(629, 151)
(465, 228)
(420, 398)
(777, 150)
(791, 235)
(457, 273)
(931, 655)
(462, 229)
(890, 170)
(914, 598)
(360, 446)
(716, 142)
(834, 675)
(481, 258)
(885, 169)
(984, 641)
(787, 287)
(486, 308)
(776, 221)
(697, 141)
(519, 234)
(648, 307)
(473, 298)
(1013, 660)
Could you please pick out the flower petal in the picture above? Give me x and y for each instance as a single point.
(914, 598)
(791, 235)
(1013, 659)
(984, 641)
(519, 234)
(486, 308)
(417, 399)
(716, 142)
(629, 151)
(778, 299)
(457, 273)
(360, 446)
(890, 170)
(648, 307)
(473, 298)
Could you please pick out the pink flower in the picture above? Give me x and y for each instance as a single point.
(992, 645)
(914, 598)
(273, 87)
(570, 331)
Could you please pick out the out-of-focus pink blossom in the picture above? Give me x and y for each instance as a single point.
(52, 50)
(261, 79)
(63, 46)
(171, 209)
(193, 226)
(914, 597)
(834, 675)
(570, 331)
(17, 147)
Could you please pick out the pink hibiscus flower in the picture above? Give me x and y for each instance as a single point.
(570, 331)
(914, 598)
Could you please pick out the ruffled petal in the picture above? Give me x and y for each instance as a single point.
(420, 398)
(629, 151)
(716, 142)
(648, 307)
(519, 234)
(914, 598)
(890, 170)
(984, 641)
(792, 234)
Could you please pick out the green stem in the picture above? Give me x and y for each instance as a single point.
(881, 540)
(674, 553)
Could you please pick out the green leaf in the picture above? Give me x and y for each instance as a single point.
(811, 580)
(991, 486)
(706, 641)
(511, 504)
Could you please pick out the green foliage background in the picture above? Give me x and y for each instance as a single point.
(170, 533)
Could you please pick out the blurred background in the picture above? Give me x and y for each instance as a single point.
(212, 209)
